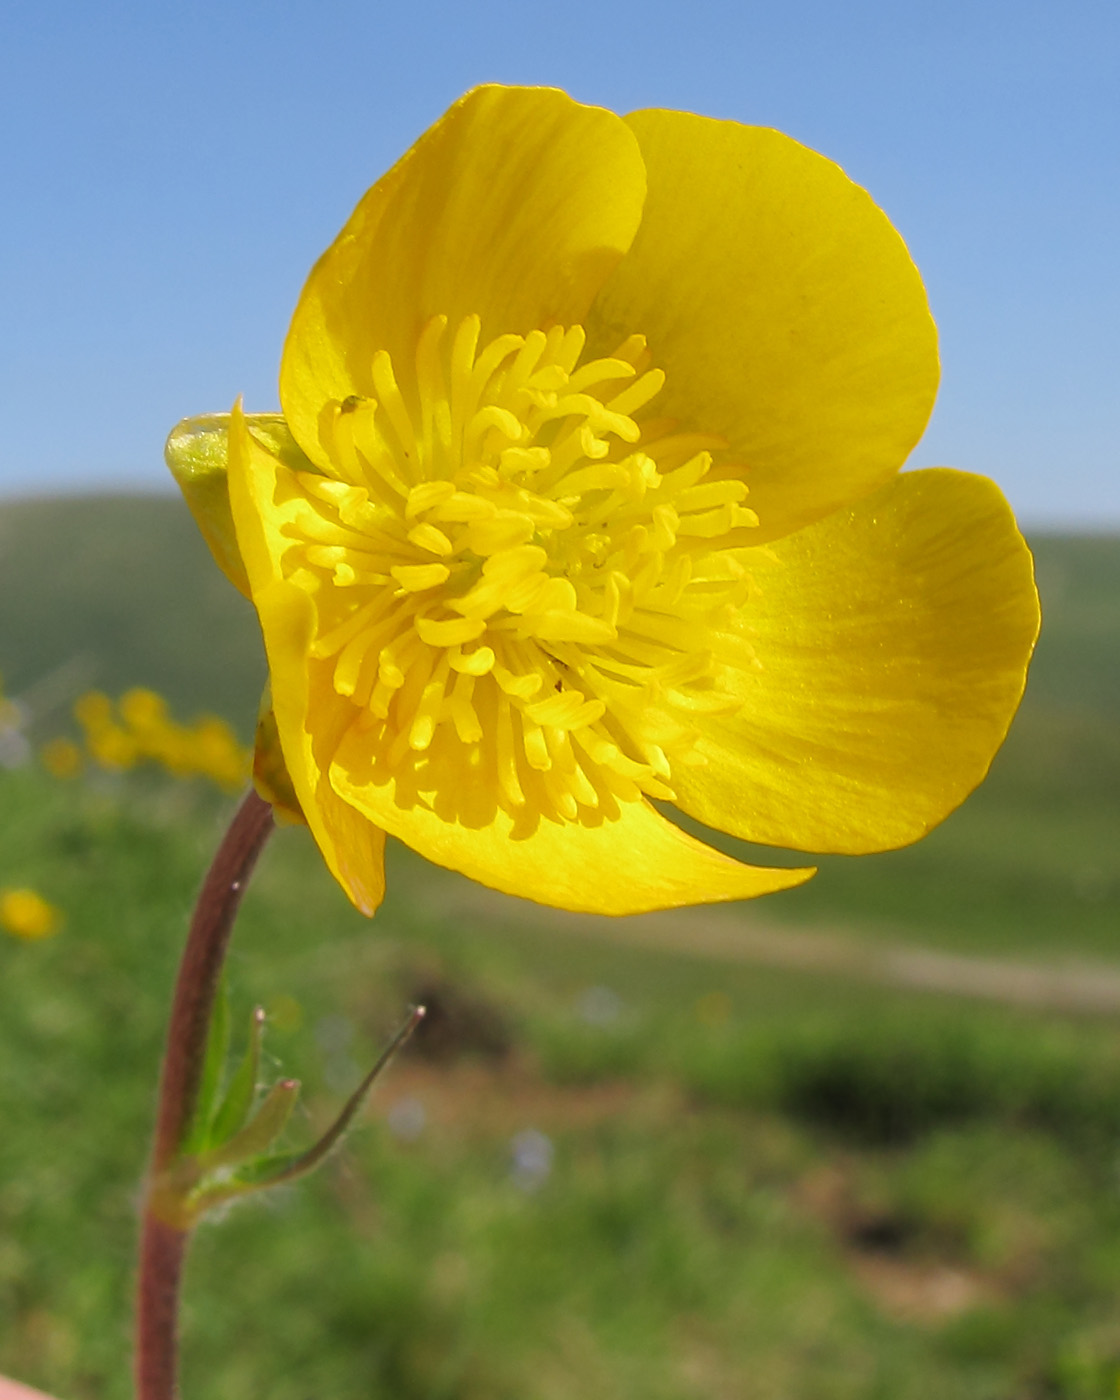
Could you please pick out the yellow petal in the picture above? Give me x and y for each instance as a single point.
(197, 452)
(879, 659)
(308, 716)
(629, 863)
(514, 207)
(782, 306)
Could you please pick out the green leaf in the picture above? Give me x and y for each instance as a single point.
(242, 1164)
(265, 1171)
(234, 1109)
(213, 1065)
(304, 1162)
(260, 1132)
(256, 1175)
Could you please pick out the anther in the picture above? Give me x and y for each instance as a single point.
(528, 552)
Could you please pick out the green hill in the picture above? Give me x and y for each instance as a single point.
(115, 591)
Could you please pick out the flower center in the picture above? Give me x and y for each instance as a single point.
(514, 555)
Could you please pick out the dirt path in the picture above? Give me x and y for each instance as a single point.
(721, 936)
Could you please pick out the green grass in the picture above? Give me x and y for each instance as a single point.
(762, 1184)
(756, 1202)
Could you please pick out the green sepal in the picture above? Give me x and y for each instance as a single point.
(210, 1176)
(300, 1164)
(197, 452)
(234, 1172)
(270, 771)
(267, 1171)
(234, 1109)
(258, 1135)
(198, 1135)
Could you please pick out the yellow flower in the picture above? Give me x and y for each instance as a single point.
(25, 914)
(108, 742)
(215, 753)
(511, 582)
(147, 731)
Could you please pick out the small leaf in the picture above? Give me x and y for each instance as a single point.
(234, 1110)
(260, 1132)
(307, 1161)
(197, 1137)
(243, 1165)
(266, 1171)
(276, 1168)
(252, 1176)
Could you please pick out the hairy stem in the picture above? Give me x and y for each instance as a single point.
(162, 1250)
(163, 1241)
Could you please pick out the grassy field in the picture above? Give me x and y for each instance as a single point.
(602, 1170)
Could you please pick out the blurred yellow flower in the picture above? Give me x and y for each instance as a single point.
(109, 744)
(510, 584)
(140, 728)
(25, 914)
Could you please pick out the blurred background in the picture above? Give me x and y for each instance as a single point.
(860, 1140)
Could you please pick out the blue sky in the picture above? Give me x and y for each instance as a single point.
(172, 170)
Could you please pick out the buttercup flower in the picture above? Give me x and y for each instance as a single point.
(586, 492)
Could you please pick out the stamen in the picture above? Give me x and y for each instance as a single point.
(598, 371)
(431, 538)
(638, 394)
(476, 663)
(450, 633)
(427, 712)
(526, 558)
(374, 452)
(435, 425)
(463, 714)
(425, 495)
(417, 578)
(507, 757)
(384, 381)
(462, 363)
(536, 748)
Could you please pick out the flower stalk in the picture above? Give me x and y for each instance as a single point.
(163, 1235)
(213, 1146)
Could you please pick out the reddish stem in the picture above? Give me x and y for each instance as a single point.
(162, 1251)
(163, 1243)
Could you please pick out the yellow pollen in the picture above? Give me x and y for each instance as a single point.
(515, 556)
